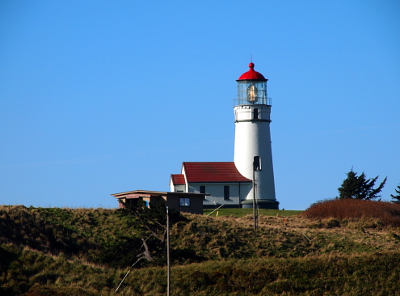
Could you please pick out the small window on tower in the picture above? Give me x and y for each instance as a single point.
(255, 114)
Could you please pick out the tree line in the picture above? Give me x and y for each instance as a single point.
(360, 187)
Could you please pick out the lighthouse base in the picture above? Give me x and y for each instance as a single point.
(261, 203)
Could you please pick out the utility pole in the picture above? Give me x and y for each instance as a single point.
(254, 199)
(168, 261)
(256, 167)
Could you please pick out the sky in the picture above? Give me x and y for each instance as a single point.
(101, 97)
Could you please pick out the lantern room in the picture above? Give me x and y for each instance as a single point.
(252, 88)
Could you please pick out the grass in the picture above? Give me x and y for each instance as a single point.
(236, 212)
(88, 251)
(323, 275)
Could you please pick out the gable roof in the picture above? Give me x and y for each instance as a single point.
(178, 179)
(209, 172)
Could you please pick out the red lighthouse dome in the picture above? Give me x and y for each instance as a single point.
(252, 75)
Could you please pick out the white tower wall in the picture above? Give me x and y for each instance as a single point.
(253, 138)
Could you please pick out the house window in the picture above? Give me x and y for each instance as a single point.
(202, 189)
(184, 201)
(226, 192)
(255, 114)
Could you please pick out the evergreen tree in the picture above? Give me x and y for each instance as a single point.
(396, 198)
(360, 187)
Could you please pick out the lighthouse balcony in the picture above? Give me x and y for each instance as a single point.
(257, 101)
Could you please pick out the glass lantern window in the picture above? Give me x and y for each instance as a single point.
(252, 92)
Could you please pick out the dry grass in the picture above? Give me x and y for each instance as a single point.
(283, 237)
(384, 213)
(292, 255)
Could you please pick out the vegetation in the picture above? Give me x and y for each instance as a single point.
(381, 213)
(360, 187)
(57, 252)
(396, 198)
(235, 212)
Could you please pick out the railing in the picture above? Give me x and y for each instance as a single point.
(259, 101)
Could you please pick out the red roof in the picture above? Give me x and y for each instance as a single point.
(205, 172)
(178, 179)
(252, 75)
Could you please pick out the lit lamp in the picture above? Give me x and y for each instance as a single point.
(252, 93)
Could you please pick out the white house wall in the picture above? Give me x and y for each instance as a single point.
(176, 188)
(171, 186)
(216, 191)
(180, 188)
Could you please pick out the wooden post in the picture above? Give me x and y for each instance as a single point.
(168, 261)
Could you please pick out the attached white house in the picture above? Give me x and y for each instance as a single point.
(221, 180)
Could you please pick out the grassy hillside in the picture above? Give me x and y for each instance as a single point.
(53, 251)
(244, 212)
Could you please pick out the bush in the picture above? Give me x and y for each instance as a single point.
(387, 213)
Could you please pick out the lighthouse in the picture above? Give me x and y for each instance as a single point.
(248, 181)
(252, 150)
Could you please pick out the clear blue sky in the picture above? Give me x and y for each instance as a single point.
(100, 97)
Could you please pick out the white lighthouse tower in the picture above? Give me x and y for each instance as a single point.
(252, 153)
